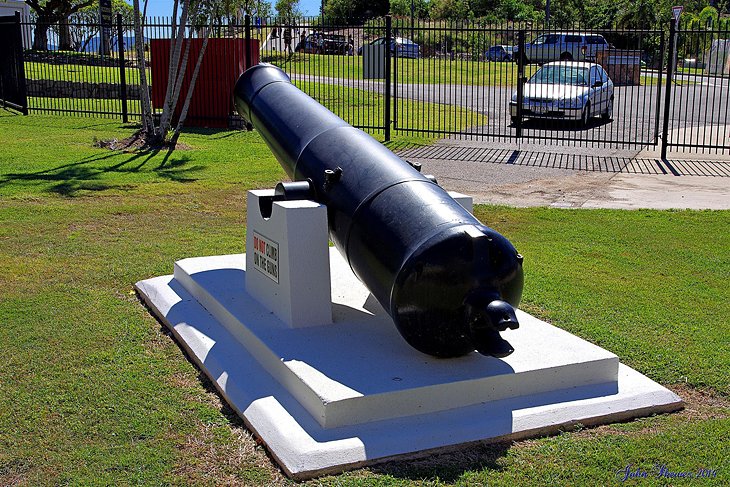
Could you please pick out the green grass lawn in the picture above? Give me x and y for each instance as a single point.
(86, 106)
(421, 71)
(81, 73)
(358, 107)
(94, 392)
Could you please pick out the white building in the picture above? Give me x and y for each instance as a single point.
(9, 7)
(718, 57)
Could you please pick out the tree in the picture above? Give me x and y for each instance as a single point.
(287, 9)
(83, 25)
(449, 9)
(708, 18)
(403, 8)
(50, 12)
(233, 10)
(157, 135)
(355, 9)
(640, 14)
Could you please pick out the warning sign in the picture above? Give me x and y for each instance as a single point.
(676, 12)
(266, 256)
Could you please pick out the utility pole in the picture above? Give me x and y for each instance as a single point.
(413, 12)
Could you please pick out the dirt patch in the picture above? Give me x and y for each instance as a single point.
(700, 405)
(568, 192)
(447, 466)
(239, 460)
(135, 143)
(14, 472)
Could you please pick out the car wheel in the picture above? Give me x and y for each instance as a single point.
(608, 114)
(566, 56)
(585, 115)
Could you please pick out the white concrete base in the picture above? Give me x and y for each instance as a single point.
(328, 398)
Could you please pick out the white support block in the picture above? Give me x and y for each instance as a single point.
(466, 201)
(289, 257)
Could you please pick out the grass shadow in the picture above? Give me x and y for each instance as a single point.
(448, 466)
(86, 175)
(395, 145)
(211, 132)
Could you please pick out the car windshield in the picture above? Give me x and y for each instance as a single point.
(561, 75)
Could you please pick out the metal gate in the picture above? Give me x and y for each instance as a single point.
(697, 112)
(480, 73)
(12, 76)
(621, 110)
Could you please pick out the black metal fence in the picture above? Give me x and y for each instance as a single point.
(697, 111)
(12, 74)
(456, 79)
(91, 81)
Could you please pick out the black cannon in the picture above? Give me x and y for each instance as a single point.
(448, 282)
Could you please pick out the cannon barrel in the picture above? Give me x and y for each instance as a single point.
(448, 282)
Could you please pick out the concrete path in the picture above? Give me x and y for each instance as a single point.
(545, 176)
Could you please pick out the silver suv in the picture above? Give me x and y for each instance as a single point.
(564, 46)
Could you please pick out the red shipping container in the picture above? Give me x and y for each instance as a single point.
(223, 62)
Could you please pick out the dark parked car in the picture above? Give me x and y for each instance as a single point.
(499, 53)
(399, 46)
(320, 43)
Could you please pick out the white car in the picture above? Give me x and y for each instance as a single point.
(564, 46)
(566, 90)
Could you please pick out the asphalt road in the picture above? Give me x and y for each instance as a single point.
(698, 103)
(635, 111)
(575, 172)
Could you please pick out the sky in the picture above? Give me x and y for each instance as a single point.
(164, 7)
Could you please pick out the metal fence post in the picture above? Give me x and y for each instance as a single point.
(668, 92)
(662, 47)
(394, 94)
(247, 34)
(122, 70)
(21, 65)
(520, 79)
(388, 40)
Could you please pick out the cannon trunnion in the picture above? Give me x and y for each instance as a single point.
(449, 282)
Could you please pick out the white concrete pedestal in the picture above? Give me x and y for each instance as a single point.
(289, 254)
(327, 398)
